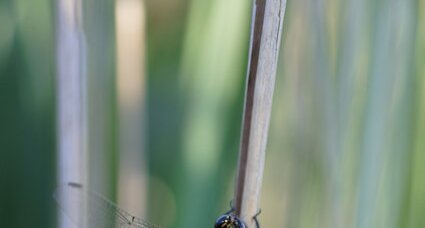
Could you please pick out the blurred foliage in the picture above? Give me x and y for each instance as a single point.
(27, 120)
(346, 144)
(346, 116)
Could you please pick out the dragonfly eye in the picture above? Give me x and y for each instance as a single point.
(229, 221)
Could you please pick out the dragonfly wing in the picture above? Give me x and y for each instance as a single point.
(102, 213)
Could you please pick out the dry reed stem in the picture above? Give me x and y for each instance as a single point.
(266, 32)
(71, 104)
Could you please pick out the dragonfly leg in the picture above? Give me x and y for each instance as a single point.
(255, 218)
(232, 209)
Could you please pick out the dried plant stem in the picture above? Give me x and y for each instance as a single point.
(71, 112)
(266, 31)
(130, 34)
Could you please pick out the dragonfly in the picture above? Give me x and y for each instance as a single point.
(104, 213)
(101, 211)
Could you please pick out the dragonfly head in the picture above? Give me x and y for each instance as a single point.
(229, 221)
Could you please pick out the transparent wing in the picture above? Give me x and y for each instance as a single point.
(101, 212)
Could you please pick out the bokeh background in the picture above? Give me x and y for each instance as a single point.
(346, 145)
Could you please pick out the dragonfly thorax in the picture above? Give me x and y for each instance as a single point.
(229, 221)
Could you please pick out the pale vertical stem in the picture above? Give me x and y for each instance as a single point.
(72, 111)
(130, 28)
(266, 32)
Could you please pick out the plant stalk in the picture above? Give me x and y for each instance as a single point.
(266, 30)
(71, 106)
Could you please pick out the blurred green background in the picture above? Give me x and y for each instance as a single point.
(346, 145)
